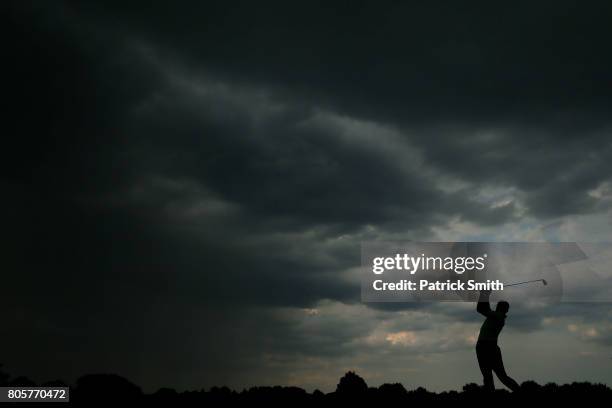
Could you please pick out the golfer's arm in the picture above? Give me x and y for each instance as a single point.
(483, 307)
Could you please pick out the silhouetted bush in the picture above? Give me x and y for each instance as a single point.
(105, 387)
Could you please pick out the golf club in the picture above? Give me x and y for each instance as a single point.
(529, 281)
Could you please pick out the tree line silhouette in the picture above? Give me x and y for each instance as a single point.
(101, 388)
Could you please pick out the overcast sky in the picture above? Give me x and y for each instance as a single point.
(186, 186)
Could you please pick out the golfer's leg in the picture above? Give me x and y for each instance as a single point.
(500, 371)
(485, 368)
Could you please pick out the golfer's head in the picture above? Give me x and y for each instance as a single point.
(502, 306)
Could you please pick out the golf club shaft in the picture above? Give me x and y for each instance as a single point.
(522, 283)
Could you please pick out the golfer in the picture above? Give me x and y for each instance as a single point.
(488, 352)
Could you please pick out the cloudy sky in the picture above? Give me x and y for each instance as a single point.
(186, 186)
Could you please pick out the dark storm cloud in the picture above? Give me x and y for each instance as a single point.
(171, 170)
(307, 168)
(533, 79)
(472, 59)
(304, 172)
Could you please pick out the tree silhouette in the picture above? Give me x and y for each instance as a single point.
(351, 384)
(96, 389)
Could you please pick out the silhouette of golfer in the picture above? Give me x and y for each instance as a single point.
(488, 352)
